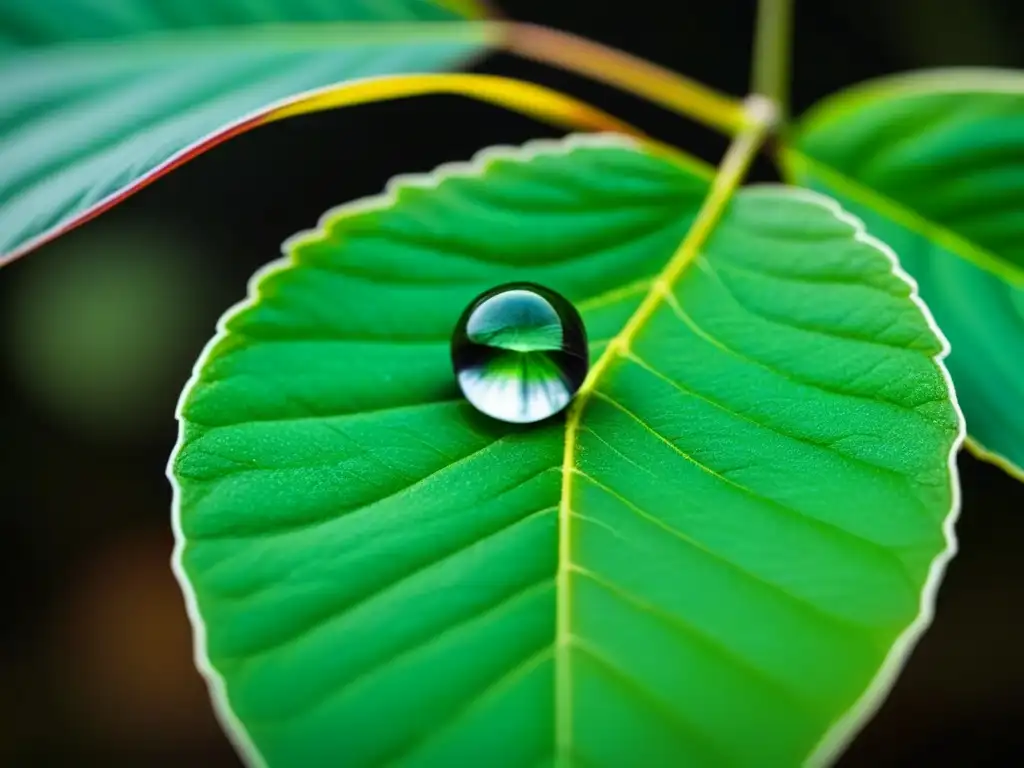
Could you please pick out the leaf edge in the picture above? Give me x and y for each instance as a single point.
(838, 105)
(848, 725)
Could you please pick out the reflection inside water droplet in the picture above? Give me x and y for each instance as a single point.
(520, 352)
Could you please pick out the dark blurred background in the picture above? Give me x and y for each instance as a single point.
(99, 331)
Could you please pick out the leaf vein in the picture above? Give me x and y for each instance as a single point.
(677, 724)
(688, 320)
(690, 631)
(292, 526)
(830, 333)
(686, 390)
(490, 613)
(799, 602)
(493, 690)
(822, 525)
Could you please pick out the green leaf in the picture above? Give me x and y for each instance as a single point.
(720, 556)
(101, 97)
(934, 164)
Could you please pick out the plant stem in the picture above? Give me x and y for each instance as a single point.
(630, 73)
(770, 73)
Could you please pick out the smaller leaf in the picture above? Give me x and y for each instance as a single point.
(934, 165)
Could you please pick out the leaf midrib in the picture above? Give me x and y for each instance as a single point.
(729, 176)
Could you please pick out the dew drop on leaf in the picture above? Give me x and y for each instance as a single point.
(520, 352)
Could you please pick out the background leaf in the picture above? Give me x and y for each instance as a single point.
(934, 164)
(728, 564)
(102, 97)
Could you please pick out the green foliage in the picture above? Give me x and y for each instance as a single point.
(934, 164)
(145, 84)
(758, 492)
(725, 548)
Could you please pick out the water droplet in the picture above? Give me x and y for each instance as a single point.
(520, 352)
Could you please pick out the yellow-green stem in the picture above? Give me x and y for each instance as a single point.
(630, 73)
(772, 42)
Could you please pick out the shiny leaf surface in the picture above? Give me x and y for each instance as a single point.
(739, 533)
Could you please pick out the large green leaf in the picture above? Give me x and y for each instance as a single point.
(721, 556)
(102, 96)
(934, 164)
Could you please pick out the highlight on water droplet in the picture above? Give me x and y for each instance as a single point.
(520, 352)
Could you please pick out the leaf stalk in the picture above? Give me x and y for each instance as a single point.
(771, 61)
(657, 84)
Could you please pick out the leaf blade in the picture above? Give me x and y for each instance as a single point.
(429, 505)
